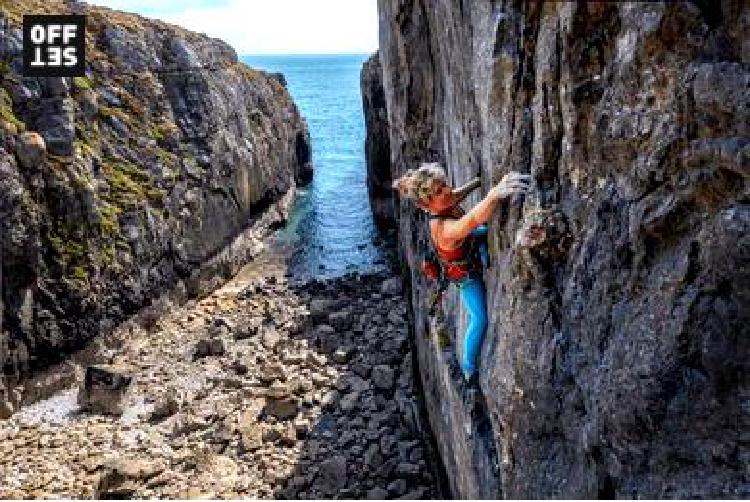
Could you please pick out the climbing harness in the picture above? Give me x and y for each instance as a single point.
(446, 266)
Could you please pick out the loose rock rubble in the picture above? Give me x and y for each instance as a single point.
(262, 389)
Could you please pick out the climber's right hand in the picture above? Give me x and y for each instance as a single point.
(512, 183)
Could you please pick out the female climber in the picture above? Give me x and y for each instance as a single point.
(457, 236)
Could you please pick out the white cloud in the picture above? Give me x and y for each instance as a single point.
(272, 26)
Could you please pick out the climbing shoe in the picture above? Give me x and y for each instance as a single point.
(470, 394)
(454, 367)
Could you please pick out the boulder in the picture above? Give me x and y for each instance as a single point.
(341, 320)
(164, 408)
(392, 286)
(332, 474)
(382, 377)
(208, 347)
(251, 432)
(103, 389)
(320, 308)
(283, 409)
(398, 487)
(377, 493)
(272, 371)
(6, 409)
(270, 338)
(185, 423)
(327, 338)
(341, 355)
(121, 477)
(30, 149)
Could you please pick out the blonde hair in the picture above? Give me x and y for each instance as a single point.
(420, 184)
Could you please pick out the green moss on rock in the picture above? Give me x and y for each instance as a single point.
(82, 83)
(6, 113)
(129, 185)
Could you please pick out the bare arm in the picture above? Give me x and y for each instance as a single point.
(457, 230)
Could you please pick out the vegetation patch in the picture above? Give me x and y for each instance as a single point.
(82, 83)
(109, 224)
(129, 185)
(72, 253)
(109, 111)
(83, 149)
(163, 130)
(4, 68)
(6, 113)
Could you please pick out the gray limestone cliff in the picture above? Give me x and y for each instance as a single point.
(616, 361)
(158, 171)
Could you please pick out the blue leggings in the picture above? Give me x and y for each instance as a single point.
(474, 299)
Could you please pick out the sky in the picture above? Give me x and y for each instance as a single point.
(270, 26)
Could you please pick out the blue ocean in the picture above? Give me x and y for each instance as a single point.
(331, 230)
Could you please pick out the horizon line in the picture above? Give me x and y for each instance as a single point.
(306, 53)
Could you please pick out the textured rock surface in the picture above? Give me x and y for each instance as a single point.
(377, 146)
(162, 168)
(617, 357)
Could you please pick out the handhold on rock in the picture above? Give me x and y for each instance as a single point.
(544, 229)
(30, 149)
(103, 389)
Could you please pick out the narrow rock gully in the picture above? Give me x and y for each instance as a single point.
(262, 389)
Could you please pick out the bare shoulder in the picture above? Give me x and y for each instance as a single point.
(440, 230)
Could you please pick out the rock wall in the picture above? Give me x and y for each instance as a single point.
(159, 170)
(377, 146)
(616, 360)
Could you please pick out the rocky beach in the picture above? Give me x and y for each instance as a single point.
(263, 388)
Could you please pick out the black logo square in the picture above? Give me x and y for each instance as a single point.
(54, 46)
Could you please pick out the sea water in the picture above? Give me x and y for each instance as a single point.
(331, 229)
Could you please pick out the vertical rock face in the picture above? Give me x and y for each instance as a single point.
(616, 359)
(377, 145)
(144, 175)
